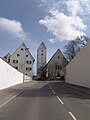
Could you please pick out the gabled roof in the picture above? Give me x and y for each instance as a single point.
(42, 45)
(53, 57)
(23, 44)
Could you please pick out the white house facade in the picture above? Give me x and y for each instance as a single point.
(22, 60)
(6, 58)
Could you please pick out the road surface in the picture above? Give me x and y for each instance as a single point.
(48, 101)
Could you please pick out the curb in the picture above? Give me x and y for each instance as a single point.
(68, 85)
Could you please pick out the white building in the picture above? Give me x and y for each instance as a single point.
(22, 60)
(78, 70)
(41, 58)
(6, 58)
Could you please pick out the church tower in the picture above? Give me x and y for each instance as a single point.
(41, 58)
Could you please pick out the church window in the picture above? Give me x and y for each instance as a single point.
(56, 67)
(60, 67)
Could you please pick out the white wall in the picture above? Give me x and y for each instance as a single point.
(78, 70)
(27, 78)
(8, 75)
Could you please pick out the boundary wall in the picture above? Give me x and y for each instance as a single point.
(78, 70)
(8, 75)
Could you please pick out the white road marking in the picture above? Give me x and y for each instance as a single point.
(60, 100)
(53, 92)
(50, 88)
(74, 118)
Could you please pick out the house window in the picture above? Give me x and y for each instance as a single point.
(41, 63)
(42, 50)
(26, 55)
(42, 54)
(58, 57)
(18, 54)
(16, 68)
(15, 61)
(22, 49)
(28, 62)
(28, 69)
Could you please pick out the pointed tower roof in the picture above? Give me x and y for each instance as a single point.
(42, 45)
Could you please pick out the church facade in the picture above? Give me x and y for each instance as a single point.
(55, 68)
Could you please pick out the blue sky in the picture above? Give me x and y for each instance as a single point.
(32, 21)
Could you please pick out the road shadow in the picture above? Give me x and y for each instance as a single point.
(42, 89)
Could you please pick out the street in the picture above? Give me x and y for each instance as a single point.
(47, 100)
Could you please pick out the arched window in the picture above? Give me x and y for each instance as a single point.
(58, 74)
(60, 67)
(56, 67)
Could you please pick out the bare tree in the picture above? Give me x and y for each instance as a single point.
(73, 47)
(82, 40)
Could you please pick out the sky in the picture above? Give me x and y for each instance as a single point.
(55, 22)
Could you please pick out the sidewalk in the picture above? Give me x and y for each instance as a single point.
(79, 88)
(6, 95)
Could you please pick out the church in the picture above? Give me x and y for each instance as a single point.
(54, 69)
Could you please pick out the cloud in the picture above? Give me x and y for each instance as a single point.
(52, 40)
(65, 20)
(13, 28)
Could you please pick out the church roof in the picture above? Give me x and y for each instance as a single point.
(57, 52)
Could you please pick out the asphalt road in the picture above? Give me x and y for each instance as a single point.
(48, 101)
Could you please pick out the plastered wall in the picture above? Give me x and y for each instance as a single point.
(8, 75)
(78, 70)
